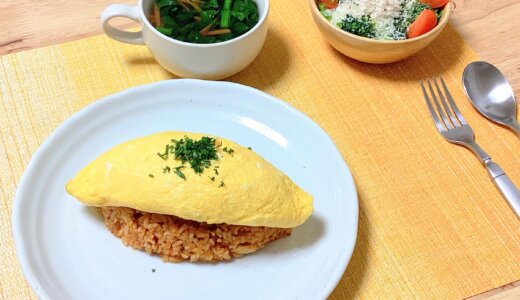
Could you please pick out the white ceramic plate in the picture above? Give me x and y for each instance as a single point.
(66, 252)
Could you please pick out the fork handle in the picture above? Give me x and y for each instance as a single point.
(506, 187)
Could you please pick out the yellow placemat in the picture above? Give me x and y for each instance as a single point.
(431, 222)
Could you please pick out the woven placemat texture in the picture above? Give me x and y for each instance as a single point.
(431, 225)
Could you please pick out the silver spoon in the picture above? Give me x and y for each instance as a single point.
(490, 93)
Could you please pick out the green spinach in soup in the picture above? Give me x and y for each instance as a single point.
(204, 21)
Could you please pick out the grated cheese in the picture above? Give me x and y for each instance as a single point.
(383, 13)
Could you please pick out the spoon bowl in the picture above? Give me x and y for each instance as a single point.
(490, 93)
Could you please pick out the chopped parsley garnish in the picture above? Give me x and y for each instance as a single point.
(249, 148)
(198, 153)
(221, 184)
(164, 155)
(212, 178)
(228, 150)
(150, 175)
(179, 173)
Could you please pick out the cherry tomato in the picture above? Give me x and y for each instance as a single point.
(425, 22)
(435, 3)
(330, 4)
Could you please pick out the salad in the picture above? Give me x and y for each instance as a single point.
(204, 21)
(383, 19)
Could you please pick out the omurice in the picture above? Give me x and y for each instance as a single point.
(191, 196)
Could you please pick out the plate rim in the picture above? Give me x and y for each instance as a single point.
(108, 100)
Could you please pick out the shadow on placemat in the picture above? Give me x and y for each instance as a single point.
(269, 66)
(447, 48)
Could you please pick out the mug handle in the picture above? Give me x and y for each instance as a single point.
(125, 11)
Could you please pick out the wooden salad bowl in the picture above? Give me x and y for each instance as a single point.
(371, 50)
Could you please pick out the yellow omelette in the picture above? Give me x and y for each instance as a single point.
(238, 187)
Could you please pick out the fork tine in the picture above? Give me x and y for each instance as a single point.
(436, 120)
(452, 117)
(452, 103)
(439, 109)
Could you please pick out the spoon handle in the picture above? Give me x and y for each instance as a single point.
(516, 127)
(505, 185)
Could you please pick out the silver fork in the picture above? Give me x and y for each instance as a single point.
(454, 128)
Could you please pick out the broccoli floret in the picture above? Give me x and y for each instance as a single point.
(438, 12)
(324, 11)
(362, 26)
(416, 10)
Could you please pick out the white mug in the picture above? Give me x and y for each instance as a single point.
(203, 61)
